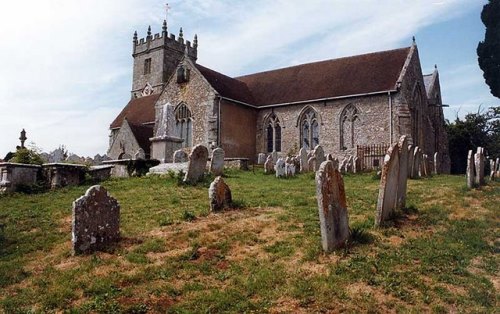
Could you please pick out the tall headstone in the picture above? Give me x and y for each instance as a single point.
(180, 156)
(269, 165)
(312, 163)
(197, 164)
(332, 207)
(479, 163)
(261, 158)
(217, 162)
(388, 190)
(219, 195)
(304, 165)
(470, 176)
(403, 172)
(319, 153)
(357, 165)
(411, 157)
(95, 221)
(436, 163)
(492, 169)
(280, 168)
(417, 163)
(274, 154)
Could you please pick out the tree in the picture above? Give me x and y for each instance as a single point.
(477, 129)
(27, 155)
(488, 51)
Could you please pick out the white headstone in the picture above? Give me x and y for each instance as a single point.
(388, 190)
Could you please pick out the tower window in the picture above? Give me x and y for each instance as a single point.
(147, 66)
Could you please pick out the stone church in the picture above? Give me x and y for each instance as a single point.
(341, 104)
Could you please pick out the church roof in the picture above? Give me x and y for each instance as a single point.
(361, 74)
(137, 111)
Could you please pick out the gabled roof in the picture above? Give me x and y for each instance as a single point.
(367, 73)
(137, 111)
(227, 86)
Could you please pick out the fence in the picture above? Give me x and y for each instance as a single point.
(371, 156)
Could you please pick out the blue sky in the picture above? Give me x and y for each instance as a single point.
(66, 64)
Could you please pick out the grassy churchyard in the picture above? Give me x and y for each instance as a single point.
(440, 255)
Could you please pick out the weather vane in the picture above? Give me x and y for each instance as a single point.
(167, 8)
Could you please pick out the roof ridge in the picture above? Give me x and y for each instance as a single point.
(321, 61)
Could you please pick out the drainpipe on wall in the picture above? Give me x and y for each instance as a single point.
(390, 117)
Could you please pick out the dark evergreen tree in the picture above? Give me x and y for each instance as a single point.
(488, 51)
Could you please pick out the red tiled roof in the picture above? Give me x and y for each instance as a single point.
(227, 86)
(137, 111)
(368, 73)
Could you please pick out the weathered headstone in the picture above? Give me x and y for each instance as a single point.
(217, 162)
(479, 163)
(275, 156)
(197, 164)
(304, 165)
(319, 153)
(180, 156)
(261, 158)
(332, 207)
(470, 176)
(403, 172)
(140, 154)
(95, 221)
(290, 169)
(219, 195)
(312, 163)
(280, 168)
(411, 158)
(425, 165)
(417, 163)
(269, 165)
(388, 190)
(492, 169)
(436, 163)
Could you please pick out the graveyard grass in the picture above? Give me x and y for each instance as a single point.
(439, 255)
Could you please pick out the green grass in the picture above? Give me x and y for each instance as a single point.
(440, 254)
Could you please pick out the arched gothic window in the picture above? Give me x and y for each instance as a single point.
(309, 129)
(273, 134)
(349, 127)
(184, 124)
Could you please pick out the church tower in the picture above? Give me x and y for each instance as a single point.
(156, 58)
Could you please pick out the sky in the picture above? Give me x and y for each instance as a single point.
(66, 65)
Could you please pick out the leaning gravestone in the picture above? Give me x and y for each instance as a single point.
(304, 165)
(388, 190)
(280, 168)
(217, 162)
(180, 156)
(403, 172)
(269, 165)
(332, 207)
(219, 195)
(197, 164)
(470, 170)
(261, 158)
(319, 153)
(96, 221)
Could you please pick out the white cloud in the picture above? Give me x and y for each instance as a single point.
(66, 65)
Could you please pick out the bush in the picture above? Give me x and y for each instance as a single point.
(27, 156)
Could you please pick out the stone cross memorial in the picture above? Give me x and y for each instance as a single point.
(388, 190)
(332, 207)
(219, 195)
(95, 222)
(217, 162)
(197, 164)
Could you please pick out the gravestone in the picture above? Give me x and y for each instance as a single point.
(275, 156)
(219, 195)
(290, 169)
(332, 207)
(180, 156)
(95, 221)
(436, 163)
(280, 168)
(319, 153)
(388, 190)
(425, 165)
(311, 162)
(470, 176)
(197, 164)
(479, 164)
(217, 162)
(342, 166)
(411, 160)
(261, 158)
(303, 160)
(269, 165)
(403, 172)
(140, 154)
(416, 168)
(492, 169)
